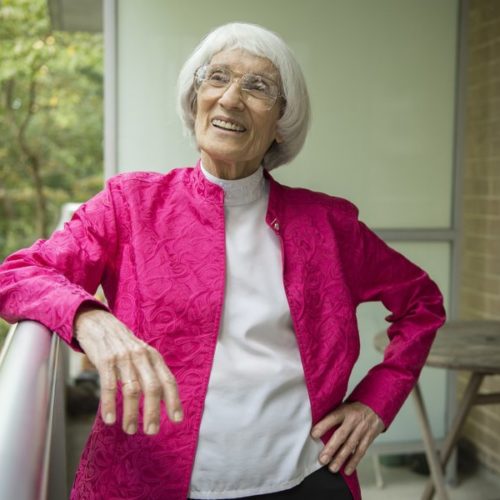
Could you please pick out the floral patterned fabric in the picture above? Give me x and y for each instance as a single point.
(156, 243)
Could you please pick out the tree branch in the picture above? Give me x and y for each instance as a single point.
(34, 162)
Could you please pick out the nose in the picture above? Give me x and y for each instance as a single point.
(231, 98)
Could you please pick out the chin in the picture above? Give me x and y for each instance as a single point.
(224, 155)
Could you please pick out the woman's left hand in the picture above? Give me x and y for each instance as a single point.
(358, 425)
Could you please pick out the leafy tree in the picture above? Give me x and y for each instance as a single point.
(50, 122)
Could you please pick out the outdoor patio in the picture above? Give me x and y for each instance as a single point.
(406, 102)
(400, 483)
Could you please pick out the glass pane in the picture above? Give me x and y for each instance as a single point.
(381, 78)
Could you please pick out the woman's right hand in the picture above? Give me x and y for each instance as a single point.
(118, 354)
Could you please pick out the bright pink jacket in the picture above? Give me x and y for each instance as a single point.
(156, 243)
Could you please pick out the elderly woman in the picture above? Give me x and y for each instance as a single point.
(232, 299)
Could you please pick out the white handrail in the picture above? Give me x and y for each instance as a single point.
(32, 413)
(28, 373)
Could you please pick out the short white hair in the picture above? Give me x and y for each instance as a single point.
(294, 121)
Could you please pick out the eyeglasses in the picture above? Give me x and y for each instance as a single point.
(218, 78)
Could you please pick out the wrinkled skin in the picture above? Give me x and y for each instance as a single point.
(118, 354)
(358, 425)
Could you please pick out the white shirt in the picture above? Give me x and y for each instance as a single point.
(255, 430)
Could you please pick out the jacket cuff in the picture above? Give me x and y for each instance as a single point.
(68, 309)
(375, 390)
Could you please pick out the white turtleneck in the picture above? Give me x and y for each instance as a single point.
(254, 435)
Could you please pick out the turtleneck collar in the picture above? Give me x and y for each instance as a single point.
(239, 191)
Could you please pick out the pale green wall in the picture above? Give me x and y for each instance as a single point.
(380, 75)
(381, 78)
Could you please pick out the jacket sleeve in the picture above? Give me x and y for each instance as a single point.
(379, 273)
(50, 280)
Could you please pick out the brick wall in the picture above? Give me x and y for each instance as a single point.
(480, 280)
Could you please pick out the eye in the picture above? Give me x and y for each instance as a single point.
(257, 83)
(217, 76)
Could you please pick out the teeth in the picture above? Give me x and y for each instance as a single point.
(228, 125)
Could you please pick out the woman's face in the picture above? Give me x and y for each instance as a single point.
(234, 130)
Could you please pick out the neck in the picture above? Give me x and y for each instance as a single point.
(228, 170)
(239, 191)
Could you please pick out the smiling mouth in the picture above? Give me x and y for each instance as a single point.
(228, 125)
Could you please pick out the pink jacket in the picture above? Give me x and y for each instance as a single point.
(156, 243)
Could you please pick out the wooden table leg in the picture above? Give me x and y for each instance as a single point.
(451, 439)
(430, 448)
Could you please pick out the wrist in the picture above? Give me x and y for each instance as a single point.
(86, 310)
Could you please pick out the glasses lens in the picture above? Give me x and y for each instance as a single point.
(259, 87)
(217, 76)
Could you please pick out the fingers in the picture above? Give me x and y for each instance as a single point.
(131, 393)
(358, 454)
(331, 420)
(358, 425)
(117, 353)
(131, 388)
(169, 386)
(143, 370)
(151, 387)
(349, 448)
(108, 395)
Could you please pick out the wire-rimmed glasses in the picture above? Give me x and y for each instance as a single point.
(216, 78)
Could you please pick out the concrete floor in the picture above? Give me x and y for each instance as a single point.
(77, 431)
(400, 483)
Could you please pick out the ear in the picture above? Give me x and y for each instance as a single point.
(278, 138)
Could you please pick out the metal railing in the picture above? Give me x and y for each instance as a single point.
(33, 366)
(32, 419)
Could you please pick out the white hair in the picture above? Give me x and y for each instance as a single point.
(294, 121)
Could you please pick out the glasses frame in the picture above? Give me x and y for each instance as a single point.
(199, 81)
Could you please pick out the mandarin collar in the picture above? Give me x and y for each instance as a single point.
(239, 191)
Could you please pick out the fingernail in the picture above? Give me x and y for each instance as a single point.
(348, 471)
(109, 418)
(131, 429)
(152, 429)
(316, 434)
(177, 416)
(334, 468)
(324, 459)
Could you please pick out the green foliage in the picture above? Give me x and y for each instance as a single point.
(50, 121)
(4, 328)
